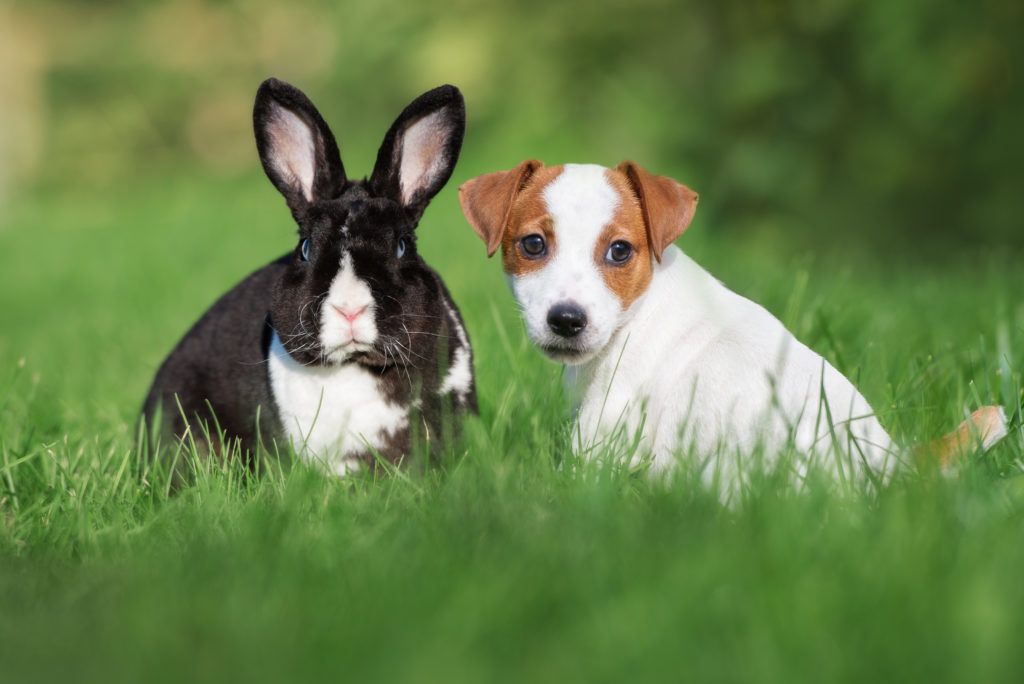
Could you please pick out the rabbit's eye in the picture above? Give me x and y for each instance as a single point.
(533, 246)
(304, 248)
(401, 247)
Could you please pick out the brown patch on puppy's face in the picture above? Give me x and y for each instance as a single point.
(622, 253)
(578, 243)
(628, 278)
(530, 218)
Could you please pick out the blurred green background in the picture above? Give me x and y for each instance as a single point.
(880, 124)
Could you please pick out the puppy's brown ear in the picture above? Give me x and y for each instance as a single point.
(667, 206)
(487, 201)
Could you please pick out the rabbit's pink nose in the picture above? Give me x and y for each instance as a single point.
(350, 316)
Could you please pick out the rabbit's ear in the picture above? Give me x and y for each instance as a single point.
(296, 147)
(420, 151)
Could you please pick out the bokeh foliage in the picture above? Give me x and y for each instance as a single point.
(887, 124)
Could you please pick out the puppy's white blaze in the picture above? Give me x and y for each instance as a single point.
(331, 413)
(338, 337)
(581, 203)
(460, 374)
(421, 154)
(294, 153)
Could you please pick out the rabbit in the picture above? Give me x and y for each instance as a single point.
(350, 345)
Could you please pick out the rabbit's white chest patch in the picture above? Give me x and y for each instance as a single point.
(331, 414)
(459, 378)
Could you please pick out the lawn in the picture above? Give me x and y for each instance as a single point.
(494, 563)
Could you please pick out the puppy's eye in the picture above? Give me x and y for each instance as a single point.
(304, 249)
(619, 252)
(401, 248)
(533, 246)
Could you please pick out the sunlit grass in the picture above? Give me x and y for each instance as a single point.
(506, 560)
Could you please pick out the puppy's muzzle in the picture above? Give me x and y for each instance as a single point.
(567, 319)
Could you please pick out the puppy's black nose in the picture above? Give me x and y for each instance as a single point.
(567, 319)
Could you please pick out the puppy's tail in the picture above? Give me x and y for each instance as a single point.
(984, 428)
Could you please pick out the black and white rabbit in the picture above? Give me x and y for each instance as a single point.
(350, 344)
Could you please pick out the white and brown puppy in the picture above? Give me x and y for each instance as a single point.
(656, 346)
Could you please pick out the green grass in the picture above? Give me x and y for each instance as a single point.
(494, 565)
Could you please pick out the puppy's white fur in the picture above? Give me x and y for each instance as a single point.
(696, 367)
(686, 367)
(580, 203)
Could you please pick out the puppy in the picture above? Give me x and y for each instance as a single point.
(663, 358)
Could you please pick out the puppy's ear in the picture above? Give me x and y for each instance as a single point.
(667, 206)
(487, 201)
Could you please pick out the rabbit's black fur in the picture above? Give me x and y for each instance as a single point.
(349, 344)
